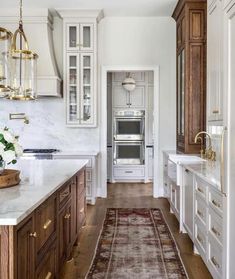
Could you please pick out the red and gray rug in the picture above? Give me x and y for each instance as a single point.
(136, 243)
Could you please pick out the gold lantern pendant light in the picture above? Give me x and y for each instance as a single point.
(5, 42)
(23, 65)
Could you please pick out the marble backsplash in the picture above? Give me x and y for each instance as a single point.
(47, 126)
(216, 132)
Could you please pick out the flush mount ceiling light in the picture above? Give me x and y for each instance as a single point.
(5, 42)
(23, 66)
(129, 83)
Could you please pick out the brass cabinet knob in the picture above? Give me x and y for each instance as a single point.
(67, 216)
(34, 234)
(47, 224)
(215, 111)
(49, 275)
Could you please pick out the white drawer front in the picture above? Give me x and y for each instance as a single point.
(215, 253)
(201, 210)
(201, 188)
(216, 201)
(215, 226)
(129, 173)
(201, 239)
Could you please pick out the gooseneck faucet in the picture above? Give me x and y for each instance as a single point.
(207, 153)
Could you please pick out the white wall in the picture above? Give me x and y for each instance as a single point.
(145, 41)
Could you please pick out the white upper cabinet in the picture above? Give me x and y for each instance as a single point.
(80, 67)
(80, 37)
(215, 62)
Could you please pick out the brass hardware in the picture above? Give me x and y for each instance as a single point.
(215, 262)
(215, 111)
(67, 216)
(19, 116)
(200, 190)
(215, 231)
(47, 224)
(199, 239)
(200, 213)
(49, 274)
(216, 203)
(209, 153)
(34, 234)
(82, 210)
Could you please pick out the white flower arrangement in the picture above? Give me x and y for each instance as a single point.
(10, 149)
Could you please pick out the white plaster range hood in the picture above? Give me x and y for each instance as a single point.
(38, 26)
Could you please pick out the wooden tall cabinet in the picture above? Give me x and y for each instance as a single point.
(190, 16)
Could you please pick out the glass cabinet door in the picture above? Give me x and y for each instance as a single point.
(73, 37)
(87, 87)
(73, 88)
(181, 93)
(86, 37)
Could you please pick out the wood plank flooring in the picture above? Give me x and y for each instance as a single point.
(123, 196)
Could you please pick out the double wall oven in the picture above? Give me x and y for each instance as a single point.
(128, 137)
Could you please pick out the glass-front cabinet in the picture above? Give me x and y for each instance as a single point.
(80, 71)
(80, 37)
(181, 94)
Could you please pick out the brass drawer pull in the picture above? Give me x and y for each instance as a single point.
(215, 262)
(82, 210)
(47, 224)
(215, 111)
(67, 216)
(34, 234)
(200, 190)
(81, 183)
(200, 239)
(215, 231)
(49, 274)
(200, 213)
(216, 203)
(63, 195)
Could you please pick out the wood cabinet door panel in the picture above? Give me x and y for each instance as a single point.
(48, 267)
(81, 182)
(197, 25)
(196, 99)
(64, 194)
(26, 250)
(81, 210)
(45, 222)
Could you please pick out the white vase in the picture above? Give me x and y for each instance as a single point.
(2, 166)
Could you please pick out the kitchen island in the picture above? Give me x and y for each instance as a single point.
(41, 217)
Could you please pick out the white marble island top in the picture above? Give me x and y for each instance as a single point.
(39, 180)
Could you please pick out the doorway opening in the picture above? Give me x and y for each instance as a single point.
(129, 127)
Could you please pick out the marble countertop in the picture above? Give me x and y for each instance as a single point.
(208, 171)
(76, 153)
(39, 180)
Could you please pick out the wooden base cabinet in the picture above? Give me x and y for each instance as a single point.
(38, 247)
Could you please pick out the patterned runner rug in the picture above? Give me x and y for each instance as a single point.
(136, 244)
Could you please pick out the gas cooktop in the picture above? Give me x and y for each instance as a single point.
(40, 151)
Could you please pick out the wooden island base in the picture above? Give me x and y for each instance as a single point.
(38, 247)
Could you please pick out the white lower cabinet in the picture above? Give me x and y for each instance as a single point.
(125, 173)
(188, 200)
(91, 173)
(149, 165)
(175, 199)
(109, 163)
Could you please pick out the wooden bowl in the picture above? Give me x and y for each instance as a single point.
(9, 178)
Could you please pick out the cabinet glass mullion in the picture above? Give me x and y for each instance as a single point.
(86, 87)
(73, 103)
(73, 37)
(86, 37)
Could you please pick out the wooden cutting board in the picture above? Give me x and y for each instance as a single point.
(9, 178)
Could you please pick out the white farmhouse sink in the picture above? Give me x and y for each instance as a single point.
(189, 159)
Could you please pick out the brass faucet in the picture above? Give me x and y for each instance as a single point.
(209, 153)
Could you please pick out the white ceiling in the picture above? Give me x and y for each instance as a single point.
(110, 7)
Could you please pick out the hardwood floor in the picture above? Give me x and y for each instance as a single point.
(129, 195)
